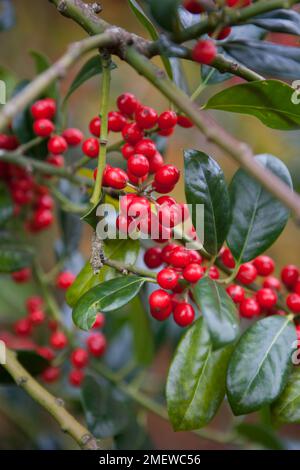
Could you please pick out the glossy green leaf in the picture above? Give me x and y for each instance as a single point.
(143, 342)
(268, 100)
(106, 297)
(287, 408)
(260, 364)
(42, 63)
(205, 184)
(218, 310)
(120, 250)
(6, 205)
(257, 217)
(14, 257)
(165, 12)
(260, 434)
(30, 360)
(91, 68)
(196, 380)
(106, 413)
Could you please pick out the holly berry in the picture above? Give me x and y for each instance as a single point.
(155, 163)
(76, 377)
(125, 201)
(116, 178)
(272, 283)
(116, 121)
(79, 358)
(227, 258)
(8, 142)
(127, 103)
(237, 293)
(90, 147)
(146, 147)
(152, 257)
(193, 6)
(96, 343)
(167, 278)
(57, 144)
(161, 314)
(73, 136)
(95, 126)
(179, 258)
(65, 279)
(224, 33)
(100, 321)
(293, 302)
(238, 3)
(267, 298)
(290, 275)
(132, 133)
(138, 165)
(23, 275)
(56, 160)
(51, 374)
(214, 272)
(167, 251)
(139, 207)
(247, 273)
(34, 303)
(146, 117)
(264, 265)
(23, 327)
(159, 300)
(37, 317)
(42, 218)
(128, 150)
(184, 314)
(167, 176)
(44, 109)
(249, 308)
(204, 52)
(167, 120)
(45, 202)
(43, 127)
(184, 121)
(58, 340)
(193, 272)
(45, 352)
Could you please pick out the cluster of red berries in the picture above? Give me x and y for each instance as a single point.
(205, 50)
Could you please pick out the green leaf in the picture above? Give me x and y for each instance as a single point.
(106, 413)
(30, 360)
(42, 63)
(287, 408)
(218, 310)
(10, 81)
(120, 250)
(14, 257)
(91, 68)
(196, 380)
(165, 12)
(6, 205)
(260, 434)
(257, 217)
(205, 184)
(260, 364)
(106, 297)
(143, 343)
(268, 100)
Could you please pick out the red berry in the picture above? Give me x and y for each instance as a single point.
(127, 103)
(167, 120)
(37, 317)
(184, 121)
(152, 257)
(128, 150)
(166, 132)
(167, 252)
(100, 321)
(264, 265)
(135, 179)
(57, 144)
(195, 257)
(132, 133)
(238, 3)
(125, 201)
(34, 303)
(43, 109)
(65, 279)
(42, 218)
(51, 374)
(227, 258)
(290, 275)
(167, 278)
(155, 163)
(293, 302)
(249, 308)
(95, 126)
(159, 300)
(204, 52)
(267, 298)
(8, 142)
(167, 175)
(162, 189)
(193, 272)
(79, 358)
(43, 127)
(23, 327)
(90, 147)
(73, 136)
(296, 287)
(96, 343)
(272, 283)
(146, 147)
(247, 273)
(224, 33)
(180, 257)
(58, 340)
(45, 202)
(125, 224)
(161, 314)
(45, 352)
(116, 178)
(23, 275)
(116, 121)
(139, 207)
(184, 314)
(214, 272)
(56, 160)
(76, 377)
(237, 293)
(193, 6)
(146, 117)
(138, 165)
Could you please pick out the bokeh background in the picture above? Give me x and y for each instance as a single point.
(39, 27)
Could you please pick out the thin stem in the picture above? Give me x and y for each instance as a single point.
(53, 405)
(29, 145)
(202, 86)
(104, 130)
(53, 308)
(125, 269)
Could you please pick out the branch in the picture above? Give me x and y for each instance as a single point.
(53, 405)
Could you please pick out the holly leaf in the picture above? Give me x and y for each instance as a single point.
(286, 409)
(268, 100)
(258, 218)
(196, 380)
(106, 297)
(165, 13)
(218, 310)
(205, 184)
(280, 21)
(260, 364)
(143, 343)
